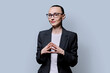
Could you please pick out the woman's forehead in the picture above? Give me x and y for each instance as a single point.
(55, 10)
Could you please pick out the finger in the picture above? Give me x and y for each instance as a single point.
(50, 43)
(54, 45)
(49, 48)
(54, 48)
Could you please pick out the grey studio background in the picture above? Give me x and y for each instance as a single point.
(21, 20)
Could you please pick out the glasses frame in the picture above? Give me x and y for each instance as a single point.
(55, 16)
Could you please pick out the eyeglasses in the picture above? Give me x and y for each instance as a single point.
(55, 15)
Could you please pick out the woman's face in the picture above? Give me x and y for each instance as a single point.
(55, 16)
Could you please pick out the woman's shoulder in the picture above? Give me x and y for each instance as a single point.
(44, 31)
(72, 35)
(71, 32)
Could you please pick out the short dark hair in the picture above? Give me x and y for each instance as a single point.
(60, 7)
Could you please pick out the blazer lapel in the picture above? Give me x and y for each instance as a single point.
(48, 36)
(64, 39)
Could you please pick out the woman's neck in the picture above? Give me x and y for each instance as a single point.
(56, 30)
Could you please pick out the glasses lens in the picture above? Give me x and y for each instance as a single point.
(56, 15)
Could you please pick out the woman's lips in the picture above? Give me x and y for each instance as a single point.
(52, 21)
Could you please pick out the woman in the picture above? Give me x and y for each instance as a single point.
(57, 47)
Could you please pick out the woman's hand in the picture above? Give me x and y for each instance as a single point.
(52, 46)
(57, 49)
(46, 49)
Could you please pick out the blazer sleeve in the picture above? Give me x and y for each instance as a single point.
(40, 58)
(70, 57)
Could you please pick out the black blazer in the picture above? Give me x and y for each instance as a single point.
(68, 43)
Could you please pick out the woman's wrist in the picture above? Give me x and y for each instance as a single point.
(62, 52)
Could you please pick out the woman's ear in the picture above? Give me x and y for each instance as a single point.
(63, 16)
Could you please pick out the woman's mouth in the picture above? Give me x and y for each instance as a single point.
(52, 21)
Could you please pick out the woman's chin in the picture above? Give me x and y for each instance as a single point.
(53, 25)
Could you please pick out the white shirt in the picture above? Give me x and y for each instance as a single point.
(53, 66)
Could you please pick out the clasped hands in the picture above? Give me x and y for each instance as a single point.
(52, 46)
